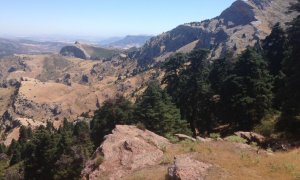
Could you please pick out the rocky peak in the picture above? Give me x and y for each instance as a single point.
(243, 24)
(261, 4)
(239, 13)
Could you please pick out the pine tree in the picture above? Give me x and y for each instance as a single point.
(157, 112)
(221, 69)
(12, 147)
(291, 104)
(247, 92)
(173, 78)
(197, 92)
(275, 48)
(83, 138)
(16, 156)
(41, 155)
(2, 148)
(113, 112)
(190, 88)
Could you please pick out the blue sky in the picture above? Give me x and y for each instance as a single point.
(102, 18)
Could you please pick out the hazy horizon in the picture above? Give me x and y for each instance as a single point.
(101, 19)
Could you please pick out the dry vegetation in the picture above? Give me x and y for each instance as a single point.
(230, 161)
(43, 84)
(5, 98)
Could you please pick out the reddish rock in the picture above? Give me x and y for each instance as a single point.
(185, 167)
(125, 150)
(183, 137)
(251, 136)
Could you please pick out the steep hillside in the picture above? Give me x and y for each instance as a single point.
(84, 51)
(244, 23)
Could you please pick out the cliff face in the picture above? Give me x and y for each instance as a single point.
(242, 24)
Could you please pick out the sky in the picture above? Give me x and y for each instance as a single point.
(102, 18)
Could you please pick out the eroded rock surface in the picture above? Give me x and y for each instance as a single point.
(185, 167)
(124, 151)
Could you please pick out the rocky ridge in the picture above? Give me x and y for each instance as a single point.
(243, 24)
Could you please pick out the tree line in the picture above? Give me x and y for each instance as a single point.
(240, 91)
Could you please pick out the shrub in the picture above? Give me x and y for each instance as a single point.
(236, 139)
(172, 138)
(215, 136)
(268, 125)
(141, 126)
(99, 160)
(167, 159)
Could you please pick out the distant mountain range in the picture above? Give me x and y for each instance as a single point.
(243, 24)
(127, 42)
(107, 48)
(21, 46)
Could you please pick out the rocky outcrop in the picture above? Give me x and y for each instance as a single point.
(124, 151)
(26, 108)
(84, 79)
(182, 137)
(243, 24)
(87, 51)
(10, 83)
(251, 137)
(73, 51)
(185, 167)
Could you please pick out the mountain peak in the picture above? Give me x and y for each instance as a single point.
(241, 25)
(239, 13)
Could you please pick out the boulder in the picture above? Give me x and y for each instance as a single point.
(183, 137)
(124, 151)
(84, 79)
(251, 136)
(201, 139)
(185, 167)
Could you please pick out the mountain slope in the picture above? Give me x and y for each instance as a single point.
(241, 25)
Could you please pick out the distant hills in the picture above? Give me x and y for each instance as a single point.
(243, 24)
(85, 51)
(21, 46)
(106, 48)
(129, 42)
(103, 49)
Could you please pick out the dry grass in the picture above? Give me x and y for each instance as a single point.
(5, 98)
(153, 173)
(231, 161)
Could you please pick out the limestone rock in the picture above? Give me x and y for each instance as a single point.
(243, 24)
(203, 139)
(184, 137)
(251, 136)
(125, 150)
(185, 167)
